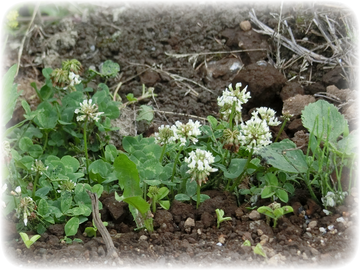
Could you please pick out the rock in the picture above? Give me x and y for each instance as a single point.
(8, 230)
(75, 249)
(314, 251)
(264, 84)
(118, 210)
(276, 259)
(352, 232)
(225, 68)
(263, 226)
(53, 240)
(245, 25)
(189, 223)
(143, 238)
(239, 212)
(254, 215)
(296, 104)
(247, 236)
(91, 245)
(291, 89)
(312, 224)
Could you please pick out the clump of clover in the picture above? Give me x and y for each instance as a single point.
(68, 76)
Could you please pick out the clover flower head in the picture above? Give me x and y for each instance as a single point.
(164, 135)
(332, 199)
(88, 109)
(189, 131)
(199, 165)
(39, 167)
(329, 199)
(74, 79)
(231, 96)
(67, 185)
(25, 208)
(254, 134)
(268, 115)
(2, 187)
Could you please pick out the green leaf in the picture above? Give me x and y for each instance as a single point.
(145, 113)
(267, 192)
(129, 144)
(42, 192)
(266, 210)
(66, 201)
(282, 195)
(139, 203)
(203, 197)
(236, 167)
(191, 187)
(162, 193)
(90, 231)
(99, 170)
(272, 179)
(279, 212)
(71, 227)
(182, 197)
(130, 97)
(25, 143)
(43, 207)
(285, 156)
(329, 121)
(35, 151)
(98, 189)
(71, 164)
(259, 250)
(48, 118)
(109, 69)
(128, 175)
(9, 94)
(213, 121)
(165, 204)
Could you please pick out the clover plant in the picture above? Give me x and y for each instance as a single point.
(274, 211)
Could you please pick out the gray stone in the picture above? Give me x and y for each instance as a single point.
(254, 215)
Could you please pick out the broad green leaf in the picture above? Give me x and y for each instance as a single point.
(109, 69)
(66, 201)
(182, 197)
(48, 118)
(282, 195)
(145, 113)
(43, 207)
(272, 179)
(258, 249)
(71, 164)
(278, 212)
(236, 168)
(98, 170)
(191, 187)
(285, 156)
(139, 203)
(129, 144)
(72, 226)
(163, 192)
(165, 204)
(213, 121)
(128, 175)
(329, 122)
(111, 153)
(25, 143)
(35, 151)
(267, 192)
(98, 189)
(203, 197)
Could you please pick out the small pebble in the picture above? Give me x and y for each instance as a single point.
(245, 25)
(312, 224)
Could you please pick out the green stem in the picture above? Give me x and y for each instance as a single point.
(198, 196)
(46, 140)
(86, 151)
(162, 153)
(239, 179)
(174, 170)
(35, 184)
(281, 130)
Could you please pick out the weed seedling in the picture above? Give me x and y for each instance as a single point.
(274, 211)
(28, 242)
(220, 217)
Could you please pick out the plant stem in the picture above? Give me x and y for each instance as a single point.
(198, 196)
(162, 153)
(46, 140)
(174, 170)
(281, 130)
(238, 180)
(86, 151)
(35, 184)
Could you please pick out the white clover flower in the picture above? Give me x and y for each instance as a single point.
(189, 131)
(18, 190)
(25, 219)
(229, 97)
(67, 185)
(39, 167)
(268, 115)
(87, 109)
(254, 134)
(2, 187)
(199, 165)
(164, 135)
(328, 200)
(74, 78)
(25, 208)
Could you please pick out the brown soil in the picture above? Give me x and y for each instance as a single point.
(137, 37)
